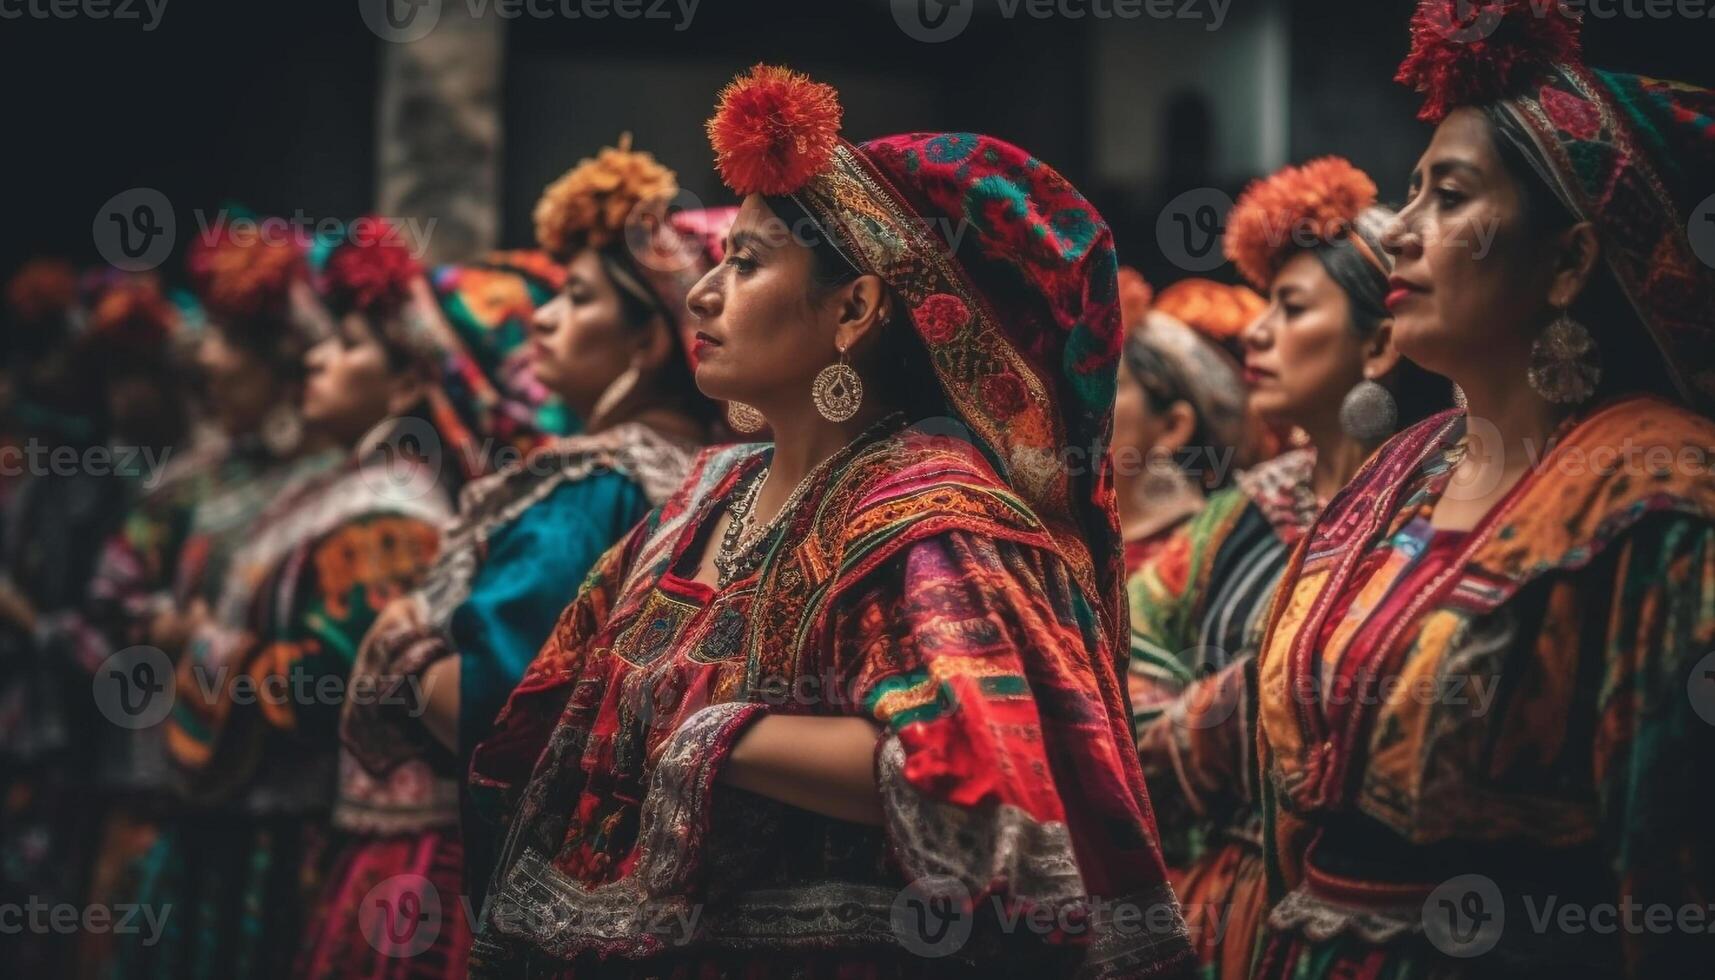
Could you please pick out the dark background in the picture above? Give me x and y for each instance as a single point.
(275, 104)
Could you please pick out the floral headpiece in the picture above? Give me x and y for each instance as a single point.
(1293, 209)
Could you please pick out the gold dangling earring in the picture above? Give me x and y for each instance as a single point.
(745, 420)
(1565, 363)
(838, 391)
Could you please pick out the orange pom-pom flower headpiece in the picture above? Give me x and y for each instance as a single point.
(590, 203)
(1295, 209)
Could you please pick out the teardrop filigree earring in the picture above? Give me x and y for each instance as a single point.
(838, 391)
(744, 419)
(1565, 363)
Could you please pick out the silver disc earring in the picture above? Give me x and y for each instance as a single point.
(1565, 364)
(744, 419)
(282, 430)
(838, 391)
(1368, 413)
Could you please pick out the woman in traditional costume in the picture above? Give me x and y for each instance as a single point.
(1320, 358)
(160, 574)
(94, 399)
(253, 727)
(613, 346)
(1484, 687)
(1179, 410)
(879, 653)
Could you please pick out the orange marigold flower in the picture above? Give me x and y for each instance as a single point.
(589, 204)
(1291, 210)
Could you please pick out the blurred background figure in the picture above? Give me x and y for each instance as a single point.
(1179, 412)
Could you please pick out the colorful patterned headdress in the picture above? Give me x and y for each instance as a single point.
(1007, 272)
(488, 304)
(1633, 155)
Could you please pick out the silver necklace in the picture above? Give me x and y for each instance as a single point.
(738, 555)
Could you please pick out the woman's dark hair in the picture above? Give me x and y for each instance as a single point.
(1417, 393)
(270, 335)
(637, 307)
(1163, 384)
(899, 369)
(1603, 308)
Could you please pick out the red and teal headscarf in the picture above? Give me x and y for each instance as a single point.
(1007, 271)
(1635, 156)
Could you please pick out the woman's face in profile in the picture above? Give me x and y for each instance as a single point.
(760, 337)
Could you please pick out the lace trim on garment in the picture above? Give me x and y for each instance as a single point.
(655, 462)
(1280, 488)
(1034, 861)
(649, 909)
(1320, 919)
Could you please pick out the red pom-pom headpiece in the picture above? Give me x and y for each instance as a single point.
(773, 130)
(1293, 209)
(42, 290)
(372, 274)
(239, 276)
(133, 316)
(1473, 52)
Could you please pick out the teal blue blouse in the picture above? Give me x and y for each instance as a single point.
(532, 570)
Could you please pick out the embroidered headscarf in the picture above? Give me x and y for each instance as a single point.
(1634, 156)
(489, 304)
(1007, 272)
